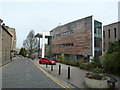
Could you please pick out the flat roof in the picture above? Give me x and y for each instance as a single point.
(71, 22)
(111, 24)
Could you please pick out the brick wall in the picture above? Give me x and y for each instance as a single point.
(81, 38)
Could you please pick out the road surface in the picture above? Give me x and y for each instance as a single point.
(22, 73)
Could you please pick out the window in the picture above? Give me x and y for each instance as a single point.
(72, 44)
(97, 49)
(64, 45)
(103, 34)
(95, 43)
(109, 32)
(64, 33)
(95, 30)
(115, 32)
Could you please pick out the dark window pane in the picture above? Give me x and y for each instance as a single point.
(109, 33)
(115, 32)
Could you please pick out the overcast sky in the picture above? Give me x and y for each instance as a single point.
(43, 16)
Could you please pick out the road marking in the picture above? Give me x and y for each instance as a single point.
(52, 78)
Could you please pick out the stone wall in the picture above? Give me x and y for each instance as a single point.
(6, 46)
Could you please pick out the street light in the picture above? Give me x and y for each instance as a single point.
(39, 36)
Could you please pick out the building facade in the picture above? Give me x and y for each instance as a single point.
(111, 33)
(79, 38)
(13, 46)
(1, 42)
(5, 44)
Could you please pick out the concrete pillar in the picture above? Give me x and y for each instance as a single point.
(43, 46)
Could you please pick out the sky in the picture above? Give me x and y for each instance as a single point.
(45, 15)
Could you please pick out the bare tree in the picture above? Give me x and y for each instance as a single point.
(31, 42)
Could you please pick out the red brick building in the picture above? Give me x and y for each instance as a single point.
(79, 38)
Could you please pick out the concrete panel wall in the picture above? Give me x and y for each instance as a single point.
(107, 40)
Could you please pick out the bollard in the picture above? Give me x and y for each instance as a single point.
(46, 65)
(51, 67)
(59, 69)
(68, 72)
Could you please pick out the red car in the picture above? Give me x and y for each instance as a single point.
(47, 61)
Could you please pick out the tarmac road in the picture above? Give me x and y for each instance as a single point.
(22, 73)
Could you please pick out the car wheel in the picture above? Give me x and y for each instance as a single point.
(40, 62)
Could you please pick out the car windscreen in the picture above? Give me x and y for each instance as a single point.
(45, 58)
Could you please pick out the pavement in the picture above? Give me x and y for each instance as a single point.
(22, 73)
(77, 77)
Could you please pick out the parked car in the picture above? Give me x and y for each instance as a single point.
(39, 56)
(47, 61)
(55, 59)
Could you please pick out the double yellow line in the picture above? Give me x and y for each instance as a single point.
(52, 78)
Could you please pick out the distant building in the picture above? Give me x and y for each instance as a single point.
(79, 38)
(47, 49)
(48, 46)
(13, 46)
(111, 33)
(5, 45)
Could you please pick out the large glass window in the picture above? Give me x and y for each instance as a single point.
(98, 49)
(97, 36)
(97, 29)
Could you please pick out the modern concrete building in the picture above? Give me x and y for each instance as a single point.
(13, 46)
(79, 38)
(111, 33)
(5, 45)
